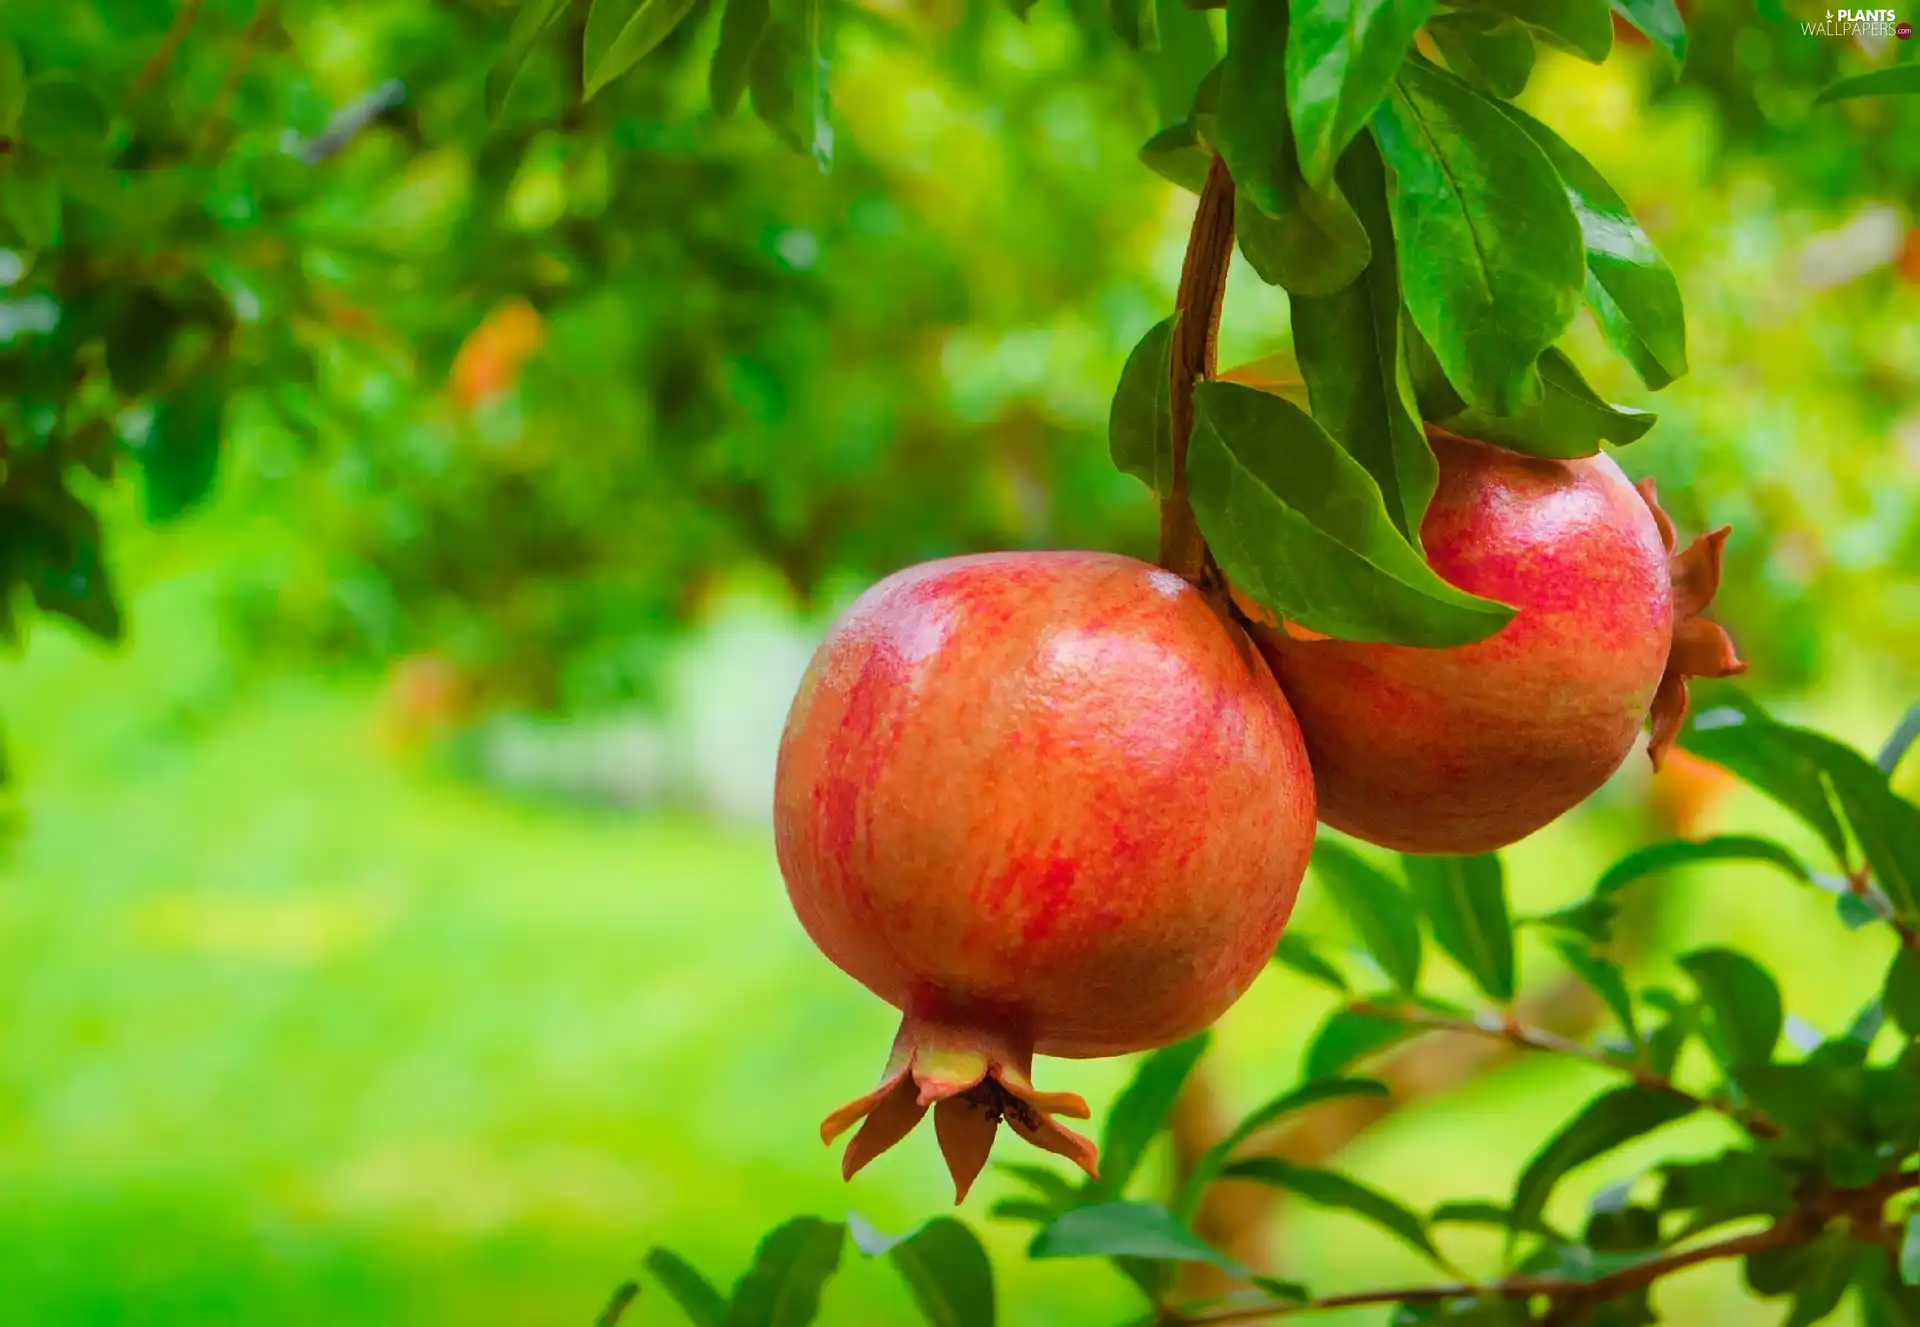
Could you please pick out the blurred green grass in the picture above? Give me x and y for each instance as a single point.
(295, 1028)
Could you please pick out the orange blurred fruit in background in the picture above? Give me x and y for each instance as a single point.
(490, 360)
(1685, 793)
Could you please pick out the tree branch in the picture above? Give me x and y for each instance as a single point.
(1196, 341)
(158, 62)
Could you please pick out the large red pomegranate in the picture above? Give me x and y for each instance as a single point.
(1468, 749)
(1040, 802)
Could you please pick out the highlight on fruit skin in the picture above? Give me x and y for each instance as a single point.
(1473, 747)
(1040, 803)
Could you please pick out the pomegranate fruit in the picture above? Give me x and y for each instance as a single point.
(1038, 802)
(1468, 749)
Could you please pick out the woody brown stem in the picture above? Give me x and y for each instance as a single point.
(1196, 342)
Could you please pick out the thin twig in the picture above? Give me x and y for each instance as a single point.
(243, 54)
(1196, 343)
(158, 62)
(1533, 1039)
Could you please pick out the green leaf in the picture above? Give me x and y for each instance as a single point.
(792, 1265)
(1899, 81)
(13, 86)
(534, 18)
(1465, 901)
(1733, 1186)
(1899, 741)
(1375, 905)
(1297, 952)
(1254, 136)
(1134, 1230)
(1603, 975)
(1581, 27)
(1661, 22)
(1314, 247)
(622, 33)
(138, 339)
(181, 453)
(1141, 1111)
(1669, 1038)
(1347, 1036)
(30, 200)
(945, 1267)
(1326, 1188)
(1744, 1001)
(703, 1305)
(1349, 349)
(787, 80)
(1910, 1252)
(1215, 1158)
(617, 1304)
(1610, 1120)
(65, 119)
(1492, 53)
(1629, 286)
(1140, 422)
(1137, 23)
(1177, 154)
(55, 551)
(1903, 991)
(1569, 420)
(741, 29)
(1755, 748)
(1049, 1184)
(1342, 57)
(1658, 857)
(1300, 526)
(1491, 256)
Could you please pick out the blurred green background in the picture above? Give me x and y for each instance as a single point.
(389, 928)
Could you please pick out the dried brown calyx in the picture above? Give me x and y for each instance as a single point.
(1701, 647)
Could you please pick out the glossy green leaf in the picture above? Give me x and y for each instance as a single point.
(1176, 154)
(1610, 1120)
(1742, 738)
(1569, 420)
(30, 201)
(1315, 247)
(1902, 988)
(1140, 421)
(1491, 257)
(13, 86)
(1898, 81)
(1465, 901)
(1255, 138)
(1493, 53)
(1342, 58)
(1744, 1001)
(1629, 287)
(1604, 977)
(1661, 22)
(944, 1265)
(1134, 1230)
(1140, 1112)
(1655, 858)
(64, 119)
(787, 80)
(1375, 905)
(1350, 355)
(1581, 27)
(790, 1268)
(534, 18)
(622, 33)
(703, 1305)
(1348, 1036)
(1215, 1159)
(742, 28)
(1300, 526)
(181, 453)
(1296, 951)
(1326, 1188)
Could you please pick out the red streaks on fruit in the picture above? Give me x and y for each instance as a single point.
(1468, 749)
(1038, 802)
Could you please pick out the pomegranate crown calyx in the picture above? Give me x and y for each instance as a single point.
(1701, 646)
(973, 1080)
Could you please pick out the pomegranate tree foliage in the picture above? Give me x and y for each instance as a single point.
(1813, 1191)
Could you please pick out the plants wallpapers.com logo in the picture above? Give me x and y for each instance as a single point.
(1859, 23)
